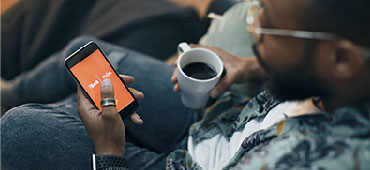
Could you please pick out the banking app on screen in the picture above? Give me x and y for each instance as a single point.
(92, 71)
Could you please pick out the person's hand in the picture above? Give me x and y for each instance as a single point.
(105, 127)
(237, 70)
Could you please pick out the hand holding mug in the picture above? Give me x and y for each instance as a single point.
(237, 70)
(198, 71)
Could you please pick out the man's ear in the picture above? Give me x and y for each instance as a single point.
(348, 60)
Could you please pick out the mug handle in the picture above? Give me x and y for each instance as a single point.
(183, 47)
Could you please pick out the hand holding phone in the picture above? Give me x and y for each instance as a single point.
(89, 67)
(98, 122)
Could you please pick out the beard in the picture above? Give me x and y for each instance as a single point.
(299, 83)
(295, 85)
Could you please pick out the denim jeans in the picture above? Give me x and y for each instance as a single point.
(52, 136)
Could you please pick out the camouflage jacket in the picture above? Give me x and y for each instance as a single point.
(339, 140)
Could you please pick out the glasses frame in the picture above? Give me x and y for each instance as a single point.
(252, 15)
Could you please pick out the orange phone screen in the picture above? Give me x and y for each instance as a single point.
(91, 71)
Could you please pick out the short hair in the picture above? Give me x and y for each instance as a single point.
(347, 18)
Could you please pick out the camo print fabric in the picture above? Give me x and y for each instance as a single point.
(338, 140)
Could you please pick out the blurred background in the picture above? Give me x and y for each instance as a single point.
(5, 4)
(33, 30)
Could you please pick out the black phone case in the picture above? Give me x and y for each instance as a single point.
(70, 61)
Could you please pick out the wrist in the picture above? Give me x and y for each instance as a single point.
(106, 150)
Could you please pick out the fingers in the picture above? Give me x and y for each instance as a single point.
(176, 88)
(83, 102)
(196, 46)
(85, 108)
(130, 80)
(81, 98)
(174, 76)
(127, 79)
(107, 92)
(107, 89)
(223, 85)
(137, 94)
(136, 119)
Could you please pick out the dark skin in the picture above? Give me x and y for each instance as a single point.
(105, 127)
(346, 72)
(340, 66)
(238, 70)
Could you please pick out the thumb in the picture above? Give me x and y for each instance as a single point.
(223, 85)
(107, 93)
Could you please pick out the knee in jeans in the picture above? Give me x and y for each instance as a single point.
(13, 124)
(24, 114)
(18, 129)
(14, 114)
(76, 43)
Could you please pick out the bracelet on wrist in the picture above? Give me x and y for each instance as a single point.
(107, 161)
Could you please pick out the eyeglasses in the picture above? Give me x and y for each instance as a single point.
(254, 27)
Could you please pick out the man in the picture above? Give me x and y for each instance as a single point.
(301, 62)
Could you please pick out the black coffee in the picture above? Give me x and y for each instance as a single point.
(199, 70)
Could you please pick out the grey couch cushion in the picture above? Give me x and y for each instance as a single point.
(229, 32)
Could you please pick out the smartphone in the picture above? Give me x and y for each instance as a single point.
(89, 67)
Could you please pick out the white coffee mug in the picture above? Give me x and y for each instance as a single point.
(195, 92)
